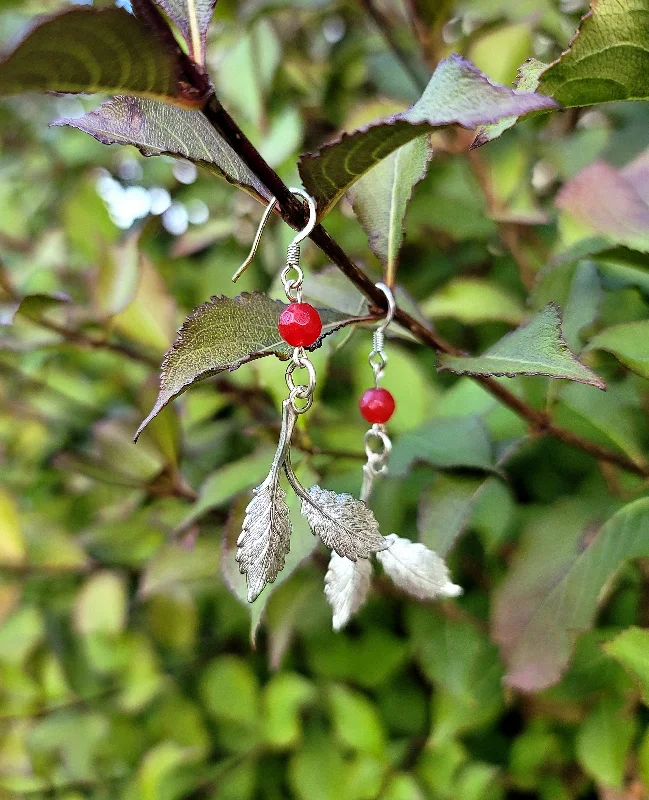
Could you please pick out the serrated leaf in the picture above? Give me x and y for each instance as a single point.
(193, 18)
(266, 537)
(527, 80)
(224, 333)
(344, 524)
(416, 570)
(157, 128)
(88, 50)
(555, 585)
(608, 58)
(457, 94)
(381, 196)
(611, 202)
(347, 584)
(536, 348)
(576, 288)
(266, 531)
(628, 342)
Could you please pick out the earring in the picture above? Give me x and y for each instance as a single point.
(411, 566)
(344, 524)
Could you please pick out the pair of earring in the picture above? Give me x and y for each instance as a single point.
(345, 525)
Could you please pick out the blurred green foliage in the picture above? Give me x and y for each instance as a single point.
(126, 665)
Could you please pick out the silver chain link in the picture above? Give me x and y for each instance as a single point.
(293, 289)
(377, 456)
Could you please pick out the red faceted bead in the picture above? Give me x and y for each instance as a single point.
(300, 325)
(377, 405)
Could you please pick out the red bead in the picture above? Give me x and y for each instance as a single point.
(377, 405)
(300, 325)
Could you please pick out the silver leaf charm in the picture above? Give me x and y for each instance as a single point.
(265, 538)
(347, 584)
(344, 524)
(417, 570)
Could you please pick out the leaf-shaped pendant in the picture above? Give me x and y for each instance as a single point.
(266, 534)
(344, 524)
(417, 570)
(347, 584)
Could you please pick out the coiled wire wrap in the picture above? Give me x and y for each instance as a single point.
(293, 286)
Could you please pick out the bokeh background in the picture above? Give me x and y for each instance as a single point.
(126, 663)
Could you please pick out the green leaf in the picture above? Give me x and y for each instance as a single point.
(607, 60)
(89, 50)
(230, 694)
(178, 565)
(556, 583)
(101, 605)
(604, 741)
(315, 770)
(464, 667)
(631, 649)
(157, 128)
(474, 300)
(527, 80)
(193, 18)
(536, 348)
(225, 333)
(575, 288)
(284, 697)
(381, 196)
(629, 342)
(356, 723)
(445, 443)
(228, 481)
(445, 510)
(12, 543)
(457, 94)
(605, 417)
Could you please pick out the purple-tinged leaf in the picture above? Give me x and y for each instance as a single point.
(527, 80)
(610, 201)
(193, 18)
(87, 50)
(555, 585)
(160, 129)
(457, 94)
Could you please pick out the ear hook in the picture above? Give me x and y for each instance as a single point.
(392, 307)
(262, 224)
(255, 244)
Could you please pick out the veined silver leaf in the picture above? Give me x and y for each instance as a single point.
(265, 537)
(344, 524)
(266, 533)
(417, 570)
(347, 584)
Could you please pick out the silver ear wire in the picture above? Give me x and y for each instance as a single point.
(378, 358)
(255, 244)
(293, 253)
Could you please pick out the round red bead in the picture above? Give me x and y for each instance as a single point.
(377, 405)
(300, 325)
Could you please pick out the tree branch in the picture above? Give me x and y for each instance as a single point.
(294, 213)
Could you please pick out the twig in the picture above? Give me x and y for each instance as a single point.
(387, 31)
